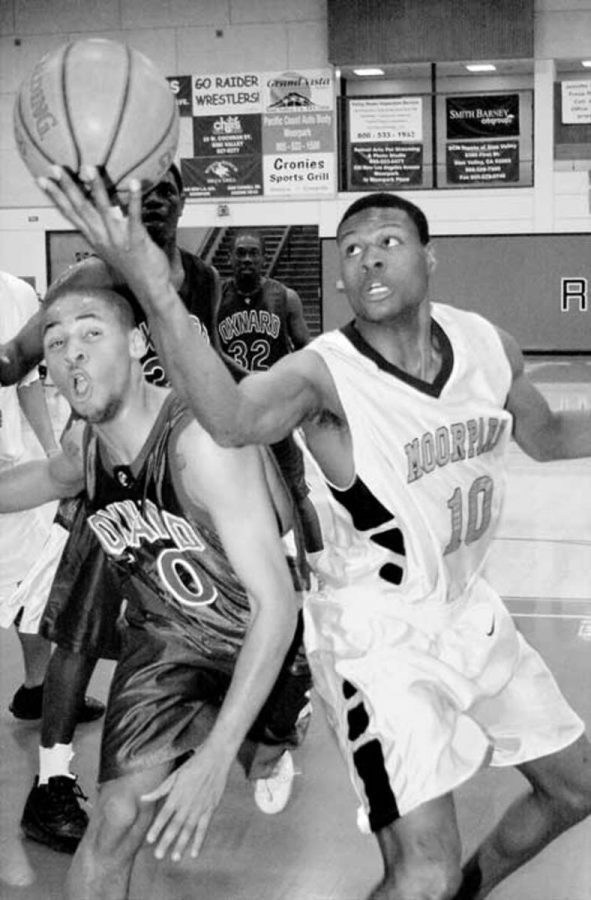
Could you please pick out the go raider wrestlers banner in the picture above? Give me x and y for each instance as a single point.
(254, 134)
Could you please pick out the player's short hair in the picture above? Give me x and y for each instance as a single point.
(394, 201)
(118, 303)
(252, 232)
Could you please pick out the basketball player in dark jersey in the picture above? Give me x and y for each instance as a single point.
(82, 609)
(259, 321)
(193, 533)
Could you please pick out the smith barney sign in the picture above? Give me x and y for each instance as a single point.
(489, 116)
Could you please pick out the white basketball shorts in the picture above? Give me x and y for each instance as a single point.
(418, 711)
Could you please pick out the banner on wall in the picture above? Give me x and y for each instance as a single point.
(487, 161)
(260, 134)
(385, 135)
(484, 116)
(576, 102)
(385, 143)
(487, 140)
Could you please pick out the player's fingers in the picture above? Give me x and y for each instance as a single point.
(184, 837)
(98, 191)
(161, 791)
(158, 792)
(200, 831)
(134, 210)
(169, 834)
(61, 200)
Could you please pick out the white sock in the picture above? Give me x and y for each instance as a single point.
(55, 761)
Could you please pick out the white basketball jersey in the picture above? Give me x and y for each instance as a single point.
(22, 534)
(429, 462)
(18, 302)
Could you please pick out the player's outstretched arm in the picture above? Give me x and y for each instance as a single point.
(265, 407)
(34, 405)
(541, 432)
(40, 481)
(231, 484)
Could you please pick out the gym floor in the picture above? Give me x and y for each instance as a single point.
(541, 565)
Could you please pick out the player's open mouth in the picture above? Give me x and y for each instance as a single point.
(80, 385)
(377, 291)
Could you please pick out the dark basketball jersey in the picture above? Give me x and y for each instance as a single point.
(83, 605)
(198, 295)
(165, 550)
(253, 327)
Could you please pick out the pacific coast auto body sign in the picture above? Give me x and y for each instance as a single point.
(259, 133)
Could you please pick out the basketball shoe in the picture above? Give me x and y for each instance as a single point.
(272, 794)
(53, 815)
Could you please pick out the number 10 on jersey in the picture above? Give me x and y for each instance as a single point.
(470, 516)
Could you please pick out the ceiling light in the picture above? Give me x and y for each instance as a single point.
(481, 67)
(586, 63)
(369, 71)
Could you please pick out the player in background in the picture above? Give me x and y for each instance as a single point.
(23, 534)
(259, 321)
(408, 412)
(192, 532)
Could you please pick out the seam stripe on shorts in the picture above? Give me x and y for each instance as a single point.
(370, 766)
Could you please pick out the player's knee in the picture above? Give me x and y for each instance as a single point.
(434, 880)
(112, 821)
(572, 803)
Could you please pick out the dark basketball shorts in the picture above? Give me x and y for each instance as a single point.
(164, 700)
(82, 612)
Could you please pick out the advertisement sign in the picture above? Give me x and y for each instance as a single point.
(483, 162)
(181, 87)
(380, 166)
(385, 119)
(484, 116)
(385, 143)
(576, 102)
(261, 134)
(485, 140)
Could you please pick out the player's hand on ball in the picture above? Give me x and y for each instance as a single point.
(117, 236)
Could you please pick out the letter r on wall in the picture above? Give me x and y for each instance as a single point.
(573, 289)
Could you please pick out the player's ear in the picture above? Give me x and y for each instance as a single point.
(137, 344)
(182, 199)
(431, 258)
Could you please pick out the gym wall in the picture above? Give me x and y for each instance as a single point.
(237, 35)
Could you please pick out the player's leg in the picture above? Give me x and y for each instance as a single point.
(27, 701)
(280, 726)
(560, 797)
(101, 868)
(421, 854)
(65, 703)
(53, 814)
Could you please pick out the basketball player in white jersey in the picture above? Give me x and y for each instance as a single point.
(407, 413)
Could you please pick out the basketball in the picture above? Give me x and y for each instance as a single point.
(101, 103)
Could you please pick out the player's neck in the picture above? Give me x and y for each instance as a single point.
(248, 286)
(409, 343)
(124, 436)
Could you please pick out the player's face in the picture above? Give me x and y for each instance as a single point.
(384, 266)
(247, 258)
(162, 208)
(88, 356)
